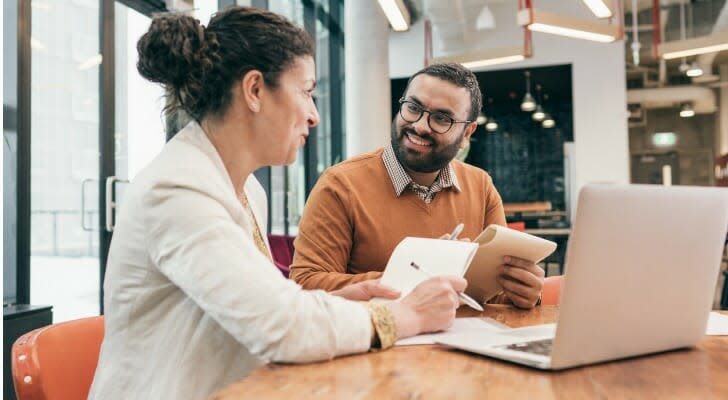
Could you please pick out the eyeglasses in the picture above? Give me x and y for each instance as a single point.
(438, 122)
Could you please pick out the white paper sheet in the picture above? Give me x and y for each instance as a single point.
(541, 330)
(437, 257)
(460, 326)
(717, 324)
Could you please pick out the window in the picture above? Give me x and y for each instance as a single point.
(290, 185)
(10, 149)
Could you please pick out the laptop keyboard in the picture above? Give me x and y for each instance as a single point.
(542, 347)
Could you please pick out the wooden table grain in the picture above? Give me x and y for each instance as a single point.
(434, 372)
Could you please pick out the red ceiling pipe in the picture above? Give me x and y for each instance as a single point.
(428, 42)
(656, 27)
(527, 47)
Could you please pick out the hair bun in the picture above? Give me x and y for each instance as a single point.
(171, 49)
(198, 66)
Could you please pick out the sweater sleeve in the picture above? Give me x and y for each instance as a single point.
(494, 212)
(325, 239)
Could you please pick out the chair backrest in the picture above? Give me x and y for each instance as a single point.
(57, 361)
(519, 226)
(552, 290)
(282, 249)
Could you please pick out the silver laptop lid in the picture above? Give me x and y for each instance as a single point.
(641, 270)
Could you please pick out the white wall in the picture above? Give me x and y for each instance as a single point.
(601, 148)
(407, 51)
(368, 92)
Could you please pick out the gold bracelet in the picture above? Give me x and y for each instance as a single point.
(384, 326)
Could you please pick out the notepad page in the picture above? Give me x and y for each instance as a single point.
(460, 326)
(516, 243)
(495, 243)
(436, 256)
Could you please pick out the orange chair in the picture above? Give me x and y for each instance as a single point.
(519, 226)
(57, 361)
(552, 290)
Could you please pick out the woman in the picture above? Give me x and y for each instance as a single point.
(193, 300)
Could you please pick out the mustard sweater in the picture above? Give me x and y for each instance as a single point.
(353, 219)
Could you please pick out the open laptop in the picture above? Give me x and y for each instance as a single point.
(641, 272)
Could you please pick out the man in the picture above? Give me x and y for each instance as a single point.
(362, 208)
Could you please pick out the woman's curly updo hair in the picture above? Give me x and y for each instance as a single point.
(198, 66)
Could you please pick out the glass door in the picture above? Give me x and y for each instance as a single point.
(291, 184)
(70, 223)
(64, 243)
(139, 123)
(139, 133)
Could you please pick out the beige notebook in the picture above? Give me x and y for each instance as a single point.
(437, 257)
(494, 243)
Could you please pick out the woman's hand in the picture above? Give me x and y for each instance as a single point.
(365, 290)
(430, 307)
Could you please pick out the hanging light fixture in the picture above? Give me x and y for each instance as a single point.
(528, 103)
(548, 121)
(636, 45)
(694, 70)
(686, 110)
(684, 66)
(491, 125)
(539, 114)
(481, 119)
(485, 19)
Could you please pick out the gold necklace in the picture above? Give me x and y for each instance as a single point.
(257, 235)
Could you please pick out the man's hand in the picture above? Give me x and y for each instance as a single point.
(365, 290)
(522, 281)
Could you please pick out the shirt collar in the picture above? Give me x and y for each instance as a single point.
(401, 179)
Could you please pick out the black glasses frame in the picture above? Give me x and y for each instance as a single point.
(423, 110)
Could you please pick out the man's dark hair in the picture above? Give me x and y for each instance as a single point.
(459, 76)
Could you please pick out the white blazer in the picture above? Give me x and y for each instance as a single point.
(191, 304)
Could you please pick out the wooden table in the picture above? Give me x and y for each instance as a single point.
(434, 372)
(534, 206)
(549, 231)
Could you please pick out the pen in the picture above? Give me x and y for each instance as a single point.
(464, 297)
(455, 232)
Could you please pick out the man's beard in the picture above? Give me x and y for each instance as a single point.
(434, 161)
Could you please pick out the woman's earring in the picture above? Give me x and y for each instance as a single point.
(254, 107)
